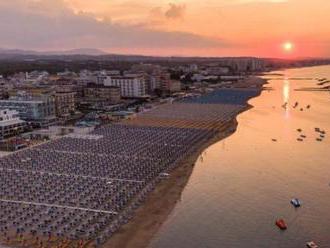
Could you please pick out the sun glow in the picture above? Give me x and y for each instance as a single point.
(288, 46)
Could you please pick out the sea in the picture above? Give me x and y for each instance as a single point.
(241, 185)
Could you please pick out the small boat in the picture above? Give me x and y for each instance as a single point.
(295, 202)
(281, 224)
(311, 244)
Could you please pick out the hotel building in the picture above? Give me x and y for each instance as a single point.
(39, 111)
(130, 86)
(10, 123)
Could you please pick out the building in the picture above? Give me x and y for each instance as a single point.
(167, 84)
(103, 75)
(39, 111)
(3, 93)
(36, 76)
(132, 86)
(242, 65)
(64, 103)
(174, 86)
(146, 68)
(10, 123)
(154, 83)
(54, 132)
(218, 70)
(193, 68)
(102, 93)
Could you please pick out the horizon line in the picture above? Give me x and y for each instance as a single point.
(106, 53)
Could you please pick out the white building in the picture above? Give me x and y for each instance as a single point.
(36, 76)
(193, 68)
(101, 76)
(130, 86)
(87, 77)
(10, 123)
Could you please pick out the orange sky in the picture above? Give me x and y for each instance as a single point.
(177, 27)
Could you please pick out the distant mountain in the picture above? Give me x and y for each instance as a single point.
(15, 51)
(81, 51)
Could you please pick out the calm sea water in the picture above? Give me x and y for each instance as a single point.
(242, 184)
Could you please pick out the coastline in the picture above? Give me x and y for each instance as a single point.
(159, 204)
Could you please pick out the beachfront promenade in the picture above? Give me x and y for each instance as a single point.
(81, 189)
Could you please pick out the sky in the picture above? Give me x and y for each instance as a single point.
(170, 27)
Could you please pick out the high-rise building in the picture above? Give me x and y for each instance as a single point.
(130, 86)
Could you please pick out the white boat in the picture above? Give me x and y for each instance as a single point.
(295, 202)
(311, 244)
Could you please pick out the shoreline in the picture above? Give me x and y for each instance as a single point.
(159, 204)
(162, 200)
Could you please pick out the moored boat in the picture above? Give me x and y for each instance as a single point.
(281, 224)
(311, 244)
(296, 202)
(295, 105)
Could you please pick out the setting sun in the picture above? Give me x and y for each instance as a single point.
(288, 46)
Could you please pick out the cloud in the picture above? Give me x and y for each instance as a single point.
(175, 11)
(50, 24)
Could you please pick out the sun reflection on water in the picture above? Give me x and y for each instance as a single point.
(286, 97)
